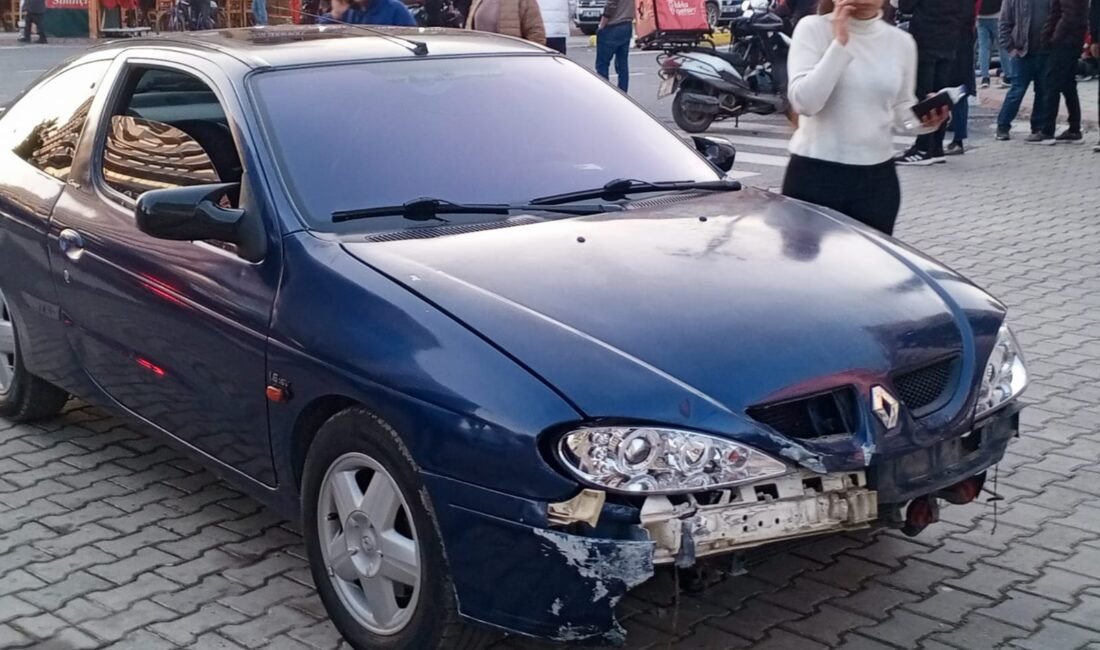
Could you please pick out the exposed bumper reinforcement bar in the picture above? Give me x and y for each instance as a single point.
(796, 505)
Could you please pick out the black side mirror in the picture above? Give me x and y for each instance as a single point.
(192, 213)
(719, 151)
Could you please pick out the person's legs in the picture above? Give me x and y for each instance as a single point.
(556, 43)
(259, 12)
(1069, 88)
(987, 36)
(27, 29)
(877, 198)
(38, 24)
(926, 70)
(1037, 69)
(960, 114)
(941, 79)
(819, 182)
(605, 49)
(1021, 79)
(1008, 67)
(622, 55)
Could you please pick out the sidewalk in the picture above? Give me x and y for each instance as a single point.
(993, 97)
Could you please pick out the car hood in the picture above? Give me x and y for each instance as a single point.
(689, 312)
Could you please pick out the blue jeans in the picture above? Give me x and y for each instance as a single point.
(987, 36)
(960, 114)
(613, 41)
(259, 12)
(1027, 69)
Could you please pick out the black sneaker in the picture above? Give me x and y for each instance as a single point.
(1069, 137)
(1040, 138)
(955, 149)
(916, 159)
(24, 40)
(984, 84)
(1096, 149)
(1002, 135)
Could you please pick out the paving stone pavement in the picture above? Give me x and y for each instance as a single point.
(109, 539)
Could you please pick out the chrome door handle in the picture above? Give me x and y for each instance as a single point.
(71, 244)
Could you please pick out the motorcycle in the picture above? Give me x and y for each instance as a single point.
(712, 85)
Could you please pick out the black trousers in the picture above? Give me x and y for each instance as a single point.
(870, 194)
(37, 20)
(1060, 79)
(934, 72)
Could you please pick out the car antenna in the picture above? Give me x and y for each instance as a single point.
(419, 48)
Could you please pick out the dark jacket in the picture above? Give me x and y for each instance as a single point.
(989, 7)
(34, 6)
(1015, 26)
(1067, 24)
(1094, 21)
(378, 12)
(936, 24)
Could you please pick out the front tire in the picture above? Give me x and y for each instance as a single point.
(374, 547)
(23, 397)
(589, 30)
(690, 120)
(713, 15)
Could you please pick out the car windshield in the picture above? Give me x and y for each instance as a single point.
(472, 130)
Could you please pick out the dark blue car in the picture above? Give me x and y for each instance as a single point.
(503, 343)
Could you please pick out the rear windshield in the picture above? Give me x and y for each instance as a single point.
(472, 130)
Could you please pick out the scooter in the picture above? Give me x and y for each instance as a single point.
(751, 77)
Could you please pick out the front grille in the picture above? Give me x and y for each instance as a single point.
(826, 414)
(926, 389)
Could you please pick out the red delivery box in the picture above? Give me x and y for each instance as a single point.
(656, 17)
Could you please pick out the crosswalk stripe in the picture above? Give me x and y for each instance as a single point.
(731, 132)
(783, 129)
(761, 159)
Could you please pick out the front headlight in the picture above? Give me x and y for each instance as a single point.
(1005, 374)
(661, 461)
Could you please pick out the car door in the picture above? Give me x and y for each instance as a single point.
(38, 136)
(173, 331)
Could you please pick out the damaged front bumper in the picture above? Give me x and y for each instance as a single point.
(557, 571)
(791, 506)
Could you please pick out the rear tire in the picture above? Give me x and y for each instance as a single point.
(687, 119)
(588, 30)
(370, 531)
(23, 397)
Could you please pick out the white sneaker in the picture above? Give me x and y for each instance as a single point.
(917, 159)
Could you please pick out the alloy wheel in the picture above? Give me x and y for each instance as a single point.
(712, 14)
(369, 543)
(7, 346)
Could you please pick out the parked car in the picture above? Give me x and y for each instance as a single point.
(500, 374)
(586, 15)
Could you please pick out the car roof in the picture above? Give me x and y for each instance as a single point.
(294, 45)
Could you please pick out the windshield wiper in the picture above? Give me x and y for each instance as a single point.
(427, 209)
(621, 187)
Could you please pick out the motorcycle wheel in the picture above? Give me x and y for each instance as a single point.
(688, 119)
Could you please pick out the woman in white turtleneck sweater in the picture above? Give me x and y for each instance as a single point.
(852, 82)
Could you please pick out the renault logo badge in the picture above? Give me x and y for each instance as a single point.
(885, 406)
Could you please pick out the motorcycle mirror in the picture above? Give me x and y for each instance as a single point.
(718, 151)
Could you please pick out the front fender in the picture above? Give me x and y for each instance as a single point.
(464, 409)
